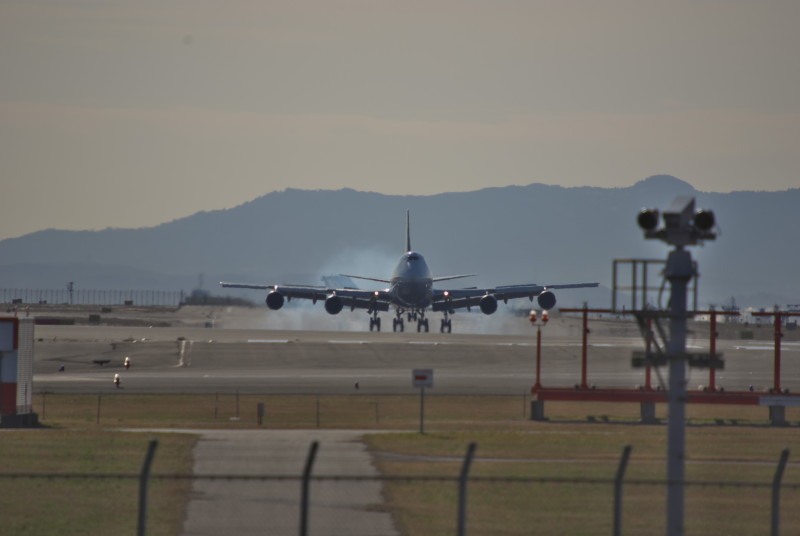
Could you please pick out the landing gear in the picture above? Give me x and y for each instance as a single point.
(397, 323)
(375, 321)
(411, 315)
(447, 324)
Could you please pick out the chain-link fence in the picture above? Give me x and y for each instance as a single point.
(23, 296)
(458, 503)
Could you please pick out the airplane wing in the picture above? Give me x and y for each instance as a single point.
(245, 285)
(350, 297)
(449, 300)
(373, 300)
(435, 279)
(366, 278)
(448, 277)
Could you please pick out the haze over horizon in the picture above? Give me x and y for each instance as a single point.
(130, 114)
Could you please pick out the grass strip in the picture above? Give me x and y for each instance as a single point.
(377, 412)
(567, 462)
(559, 479)
(49, 504)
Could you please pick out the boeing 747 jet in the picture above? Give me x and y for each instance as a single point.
(411, 293)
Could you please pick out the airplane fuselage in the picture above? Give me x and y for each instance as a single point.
(411, 284)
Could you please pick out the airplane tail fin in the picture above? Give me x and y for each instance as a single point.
(408, 231)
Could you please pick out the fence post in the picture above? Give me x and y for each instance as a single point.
(260, 412)
(623, 465)
(462, 490)
(422, 409)
(776, 492)
(143, 477)
(312, 454)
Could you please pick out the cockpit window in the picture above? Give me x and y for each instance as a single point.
(413, 257)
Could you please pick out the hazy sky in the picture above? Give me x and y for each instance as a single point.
(132, 113)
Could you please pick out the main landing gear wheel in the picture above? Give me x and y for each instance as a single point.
(447, 323)
(398, 325)
(375, 322)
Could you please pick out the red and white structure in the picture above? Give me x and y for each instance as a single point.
(16, 372)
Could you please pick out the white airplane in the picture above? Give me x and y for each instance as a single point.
(411, 293)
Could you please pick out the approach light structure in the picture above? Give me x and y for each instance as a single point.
(683, 225)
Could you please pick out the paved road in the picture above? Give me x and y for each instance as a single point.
(337, 508)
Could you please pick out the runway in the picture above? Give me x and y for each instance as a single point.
(258, 361)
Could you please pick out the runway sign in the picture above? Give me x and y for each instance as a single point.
(422, 377)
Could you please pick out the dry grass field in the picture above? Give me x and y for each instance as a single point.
(85, 481)
(543, 477)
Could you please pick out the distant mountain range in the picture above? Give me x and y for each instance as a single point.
(515, 234)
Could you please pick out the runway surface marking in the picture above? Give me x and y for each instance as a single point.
(293, 376)
(269, 341)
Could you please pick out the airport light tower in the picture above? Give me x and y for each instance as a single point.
(539, 321)
(683, 226)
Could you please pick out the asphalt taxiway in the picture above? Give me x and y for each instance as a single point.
(234, 506)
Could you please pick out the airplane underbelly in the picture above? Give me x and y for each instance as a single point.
(414, 296)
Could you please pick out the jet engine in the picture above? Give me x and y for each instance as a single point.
(547, 300)
(333, 304)
(488, 304)
(275, 300)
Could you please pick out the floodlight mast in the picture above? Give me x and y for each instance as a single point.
(682, 227)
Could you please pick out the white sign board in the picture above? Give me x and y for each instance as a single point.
(422, 377)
